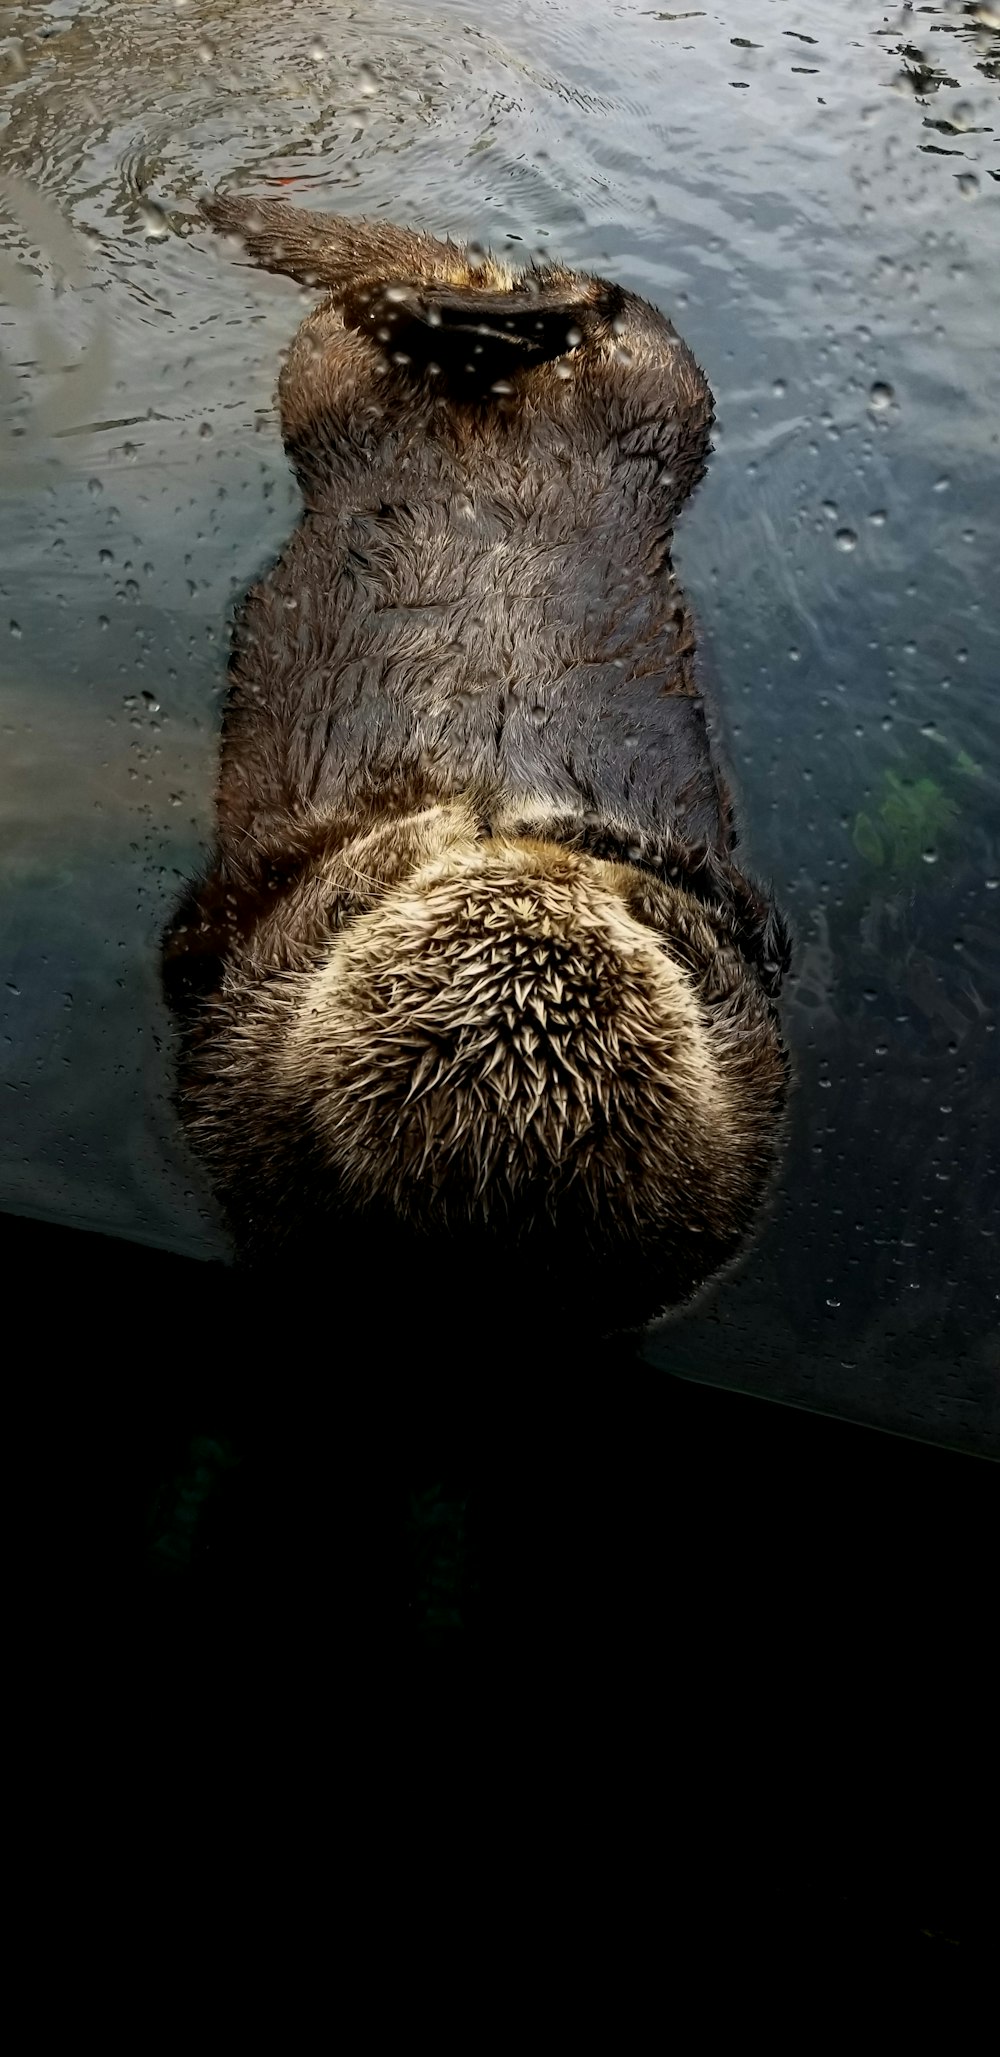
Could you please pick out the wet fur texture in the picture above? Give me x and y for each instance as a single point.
(473, 988)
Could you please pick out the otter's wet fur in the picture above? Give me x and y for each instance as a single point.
(474, 993)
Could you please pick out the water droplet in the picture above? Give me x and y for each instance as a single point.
(942, 485)
(878, 518)
(779, 389)
(830, 509)
(930, 856)
(94, 486)
(205, 428)
(967, 183)
(318, 53)
(15, 628)
(152, 703)
(207, 51)
(154, 221)
(846, 539)
(367, 81)
(880, 397)
(833, 1303)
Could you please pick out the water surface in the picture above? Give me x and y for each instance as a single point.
(810, 190)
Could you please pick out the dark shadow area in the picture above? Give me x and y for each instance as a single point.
(227, 1445)
(264, 1510)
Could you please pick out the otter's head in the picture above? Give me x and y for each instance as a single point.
(513, 1054)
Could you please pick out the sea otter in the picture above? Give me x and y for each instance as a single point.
(474, 998)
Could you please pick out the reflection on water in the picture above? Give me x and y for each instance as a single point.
(811, 192)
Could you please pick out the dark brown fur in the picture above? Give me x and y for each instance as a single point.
(473, 974)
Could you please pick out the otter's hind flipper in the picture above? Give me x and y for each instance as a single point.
(473, 331)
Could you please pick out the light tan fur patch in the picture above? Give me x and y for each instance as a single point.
(489, 1024)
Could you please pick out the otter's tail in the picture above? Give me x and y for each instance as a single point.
(328, 249)
(423, 300)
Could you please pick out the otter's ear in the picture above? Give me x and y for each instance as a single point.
(195, 944)
(758, 929)
(775, 953)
